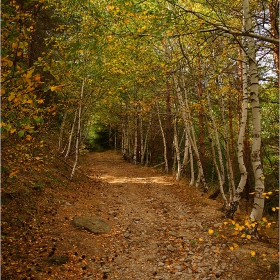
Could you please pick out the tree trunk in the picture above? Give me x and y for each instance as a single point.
(177, 149)
(168, 130)
(71, 135)
(135, 139)
(240, 143)
(163, 139)
(185, 111)
(60, 139)
(78, 131)
(258, 207)
(145, 144)
(220, 179)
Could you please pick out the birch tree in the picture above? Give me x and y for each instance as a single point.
(241, 136)
(258, 207)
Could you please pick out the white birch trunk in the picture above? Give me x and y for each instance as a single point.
(187, 119)
(71, 135)
(135, 139)
(78, 131)
(186, 153)
(217, 140)
(177, 149)
(60, 139)
(228, 160)
(192, 167)
(240, 142)
(144, 148)
(220, 179)
(258, 207)
(164, 140)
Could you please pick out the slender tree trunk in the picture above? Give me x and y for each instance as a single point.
(217, 140)
(186, 154)
(228, 159)
(145, 144)
(220, 179)
(258, 207)
(185, 111)
(163, 139)
(168, 130)
(192, 166)
(201, 117)
(240, 143)
(78, 130)
(135, 139)
(60, 139)
(177, 149)
(71, 136)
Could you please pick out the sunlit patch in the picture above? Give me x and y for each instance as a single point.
(135, 180)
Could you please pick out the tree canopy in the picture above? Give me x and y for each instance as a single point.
(164, 80)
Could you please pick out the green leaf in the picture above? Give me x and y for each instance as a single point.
(21, 133)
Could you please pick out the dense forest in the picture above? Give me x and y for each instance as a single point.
(187, 86)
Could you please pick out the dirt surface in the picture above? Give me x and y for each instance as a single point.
(160, 229)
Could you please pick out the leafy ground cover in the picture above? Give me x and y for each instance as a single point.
(160, 229)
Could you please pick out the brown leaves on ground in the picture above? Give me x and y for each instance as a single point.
(158, 227)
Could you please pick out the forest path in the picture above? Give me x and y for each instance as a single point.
(159, 229)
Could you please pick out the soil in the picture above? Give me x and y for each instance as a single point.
(160, 229)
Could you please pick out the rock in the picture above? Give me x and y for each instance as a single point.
(93, 224)
(173, 233)
(113, 213)
(58, 259)
(217, 225)
(170, 248)
(185, 235)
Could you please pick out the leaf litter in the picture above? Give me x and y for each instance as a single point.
(160, 229)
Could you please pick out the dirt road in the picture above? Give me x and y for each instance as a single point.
(159, 230)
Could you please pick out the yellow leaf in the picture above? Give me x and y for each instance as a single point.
(12, 174)
(11, 96)
(12, 130)
(264, 219)
(210, 231)
(253, 253)
(252, 193)
(29, 101)
(37, 77)
(231, 248)
(262, 178)
(40, 101)
(19, 53)
(243, 235)
(273, 209)
(264, 194)
(248, 236)
(200, 239)
(53, 88)
(29, 73)
(14, 45)
(269, 193)
(28, 137)
(235, 245)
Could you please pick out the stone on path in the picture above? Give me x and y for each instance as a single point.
(93, 224)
